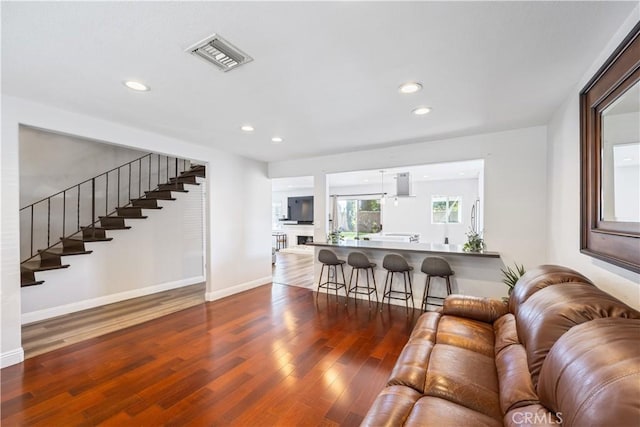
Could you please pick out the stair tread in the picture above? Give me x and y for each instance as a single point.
(116, 227)
(62, 252)
(31, 283)
(125, 217)
(35, 266)
(97, 239)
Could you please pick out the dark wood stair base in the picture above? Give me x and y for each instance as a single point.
(68, 252)
(159, 195)
(34, 266)
(145, 203)
(189, 179)
(177, 187)
(130, 212)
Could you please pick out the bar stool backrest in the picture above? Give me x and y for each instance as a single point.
(358, 260)
(436, 266)
(396, 263)
(325, 256)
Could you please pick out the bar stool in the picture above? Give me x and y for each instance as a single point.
(359, 261)
(329, 259)
(435, 266)
(396, 264)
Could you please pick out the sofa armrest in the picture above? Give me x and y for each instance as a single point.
(477, 308)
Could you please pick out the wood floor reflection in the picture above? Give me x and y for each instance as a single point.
(274, 355)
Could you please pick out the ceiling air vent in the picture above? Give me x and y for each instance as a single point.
(219, 52)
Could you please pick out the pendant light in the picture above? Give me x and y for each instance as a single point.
(382, 198)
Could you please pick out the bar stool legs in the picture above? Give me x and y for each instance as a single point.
(435, 267)
(359, 261)
(329, 259)
(368, 290)
(397, 264)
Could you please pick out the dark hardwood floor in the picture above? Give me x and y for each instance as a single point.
(274, 355)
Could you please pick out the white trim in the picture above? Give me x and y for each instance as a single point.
(48, 313)
(11, 357)
(212, 296)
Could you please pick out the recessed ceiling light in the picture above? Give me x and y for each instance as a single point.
(421, 111)
(425, 176)
(460, 173)
(276, 140)
(247, 128)
(410, 87)
(140, 87)
(366, 180)
(627, 159)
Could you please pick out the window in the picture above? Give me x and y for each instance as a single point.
(276, 214)
(445, 209)
(357, 217)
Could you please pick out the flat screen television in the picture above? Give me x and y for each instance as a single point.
(300, 209)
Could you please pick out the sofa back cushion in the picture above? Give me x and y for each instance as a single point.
(591, 376)
(551, 312)
(539, 278)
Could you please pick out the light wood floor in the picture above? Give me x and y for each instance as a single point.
(51, 334)
(272, 356)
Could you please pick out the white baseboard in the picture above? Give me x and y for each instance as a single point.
(48, 313)
(12, 357)
(212, 296)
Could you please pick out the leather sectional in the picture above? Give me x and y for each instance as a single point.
(560, 352)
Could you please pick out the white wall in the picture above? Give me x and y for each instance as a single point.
(238, 207)
(563, 213)
(51, 162)
(160, 252)
(514, 182)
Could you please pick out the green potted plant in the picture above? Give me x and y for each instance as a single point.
(512, 275)
(335, 237)
(475, 242)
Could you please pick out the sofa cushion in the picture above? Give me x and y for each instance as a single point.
(411, 367)
(476, 308)
(552, 311)
(466, 333)
(516, 388)
(392, 406)
(539, 278)
(426, 326)
(505, 332)
(593, 373)
(433, 411)
(465, 377)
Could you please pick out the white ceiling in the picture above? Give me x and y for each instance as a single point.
(324, 76)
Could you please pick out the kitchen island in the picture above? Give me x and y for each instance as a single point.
(476, 273)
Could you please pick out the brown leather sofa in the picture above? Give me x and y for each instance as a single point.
(561, 352)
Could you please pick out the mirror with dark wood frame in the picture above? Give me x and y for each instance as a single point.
(610, 158)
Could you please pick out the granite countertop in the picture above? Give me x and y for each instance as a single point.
(438, 248)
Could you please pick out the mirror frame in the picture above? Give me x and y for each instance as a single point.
(614, 242)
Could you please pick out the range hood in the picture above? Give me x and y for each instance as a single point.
(403, 185)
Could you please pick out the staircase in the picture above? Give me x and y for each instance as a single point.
(155, 180)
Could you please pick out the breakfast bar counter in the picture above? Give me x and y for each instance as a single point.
(476, 273)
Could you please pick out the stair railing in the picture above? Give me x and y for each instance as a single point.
(66, 210)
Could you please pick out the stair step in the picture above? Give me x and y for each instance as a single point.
(107, 222)
(93, 233)
(159, 195)
(35, 266)
(68, 251)
(130, 212)
(178, 187)
(72, 244)
(28, 278)
(200, 173)
(146, 203)
(188, 179)
(98, 239)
